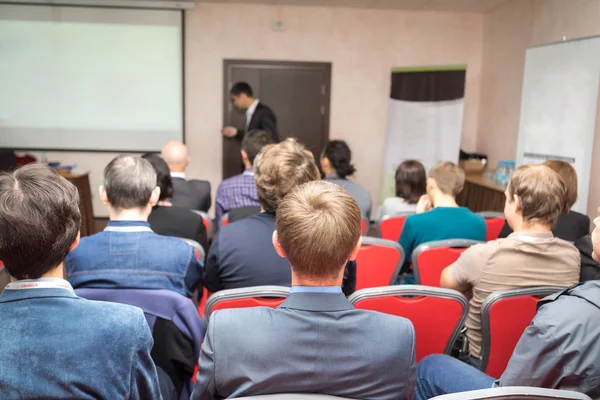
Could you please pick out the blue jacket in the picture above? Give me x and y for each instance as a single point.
(129, 255)
(56, 345)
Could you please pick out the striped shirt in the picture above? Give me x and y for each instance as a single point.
(236, 192)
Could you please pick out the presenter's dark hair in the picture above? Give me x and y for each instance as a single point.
(254, 141)
(163, 175)
(411, 181)
(339, 155)
(39, 220)
(241, 87)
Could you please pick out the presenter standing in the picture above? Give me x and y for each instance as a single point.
(258, 115)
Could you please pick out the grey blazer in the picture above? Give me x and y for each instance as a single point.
(312, 343)
(192, 194)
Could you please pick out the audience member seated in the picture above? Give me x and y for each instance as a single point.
(193, 194)
(239, 190)
(590, 269)
(56, 345)
(167, 219)
(316, 341)
(336, 165)
(531, 256)
(570, 225)
(242, 253)
(128, 254)
(559, 350)
(411, 181)
(438, 216)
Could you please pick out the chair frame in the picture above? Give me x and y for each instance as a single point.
(390, 216)
(515, 393)
(292, 396)
(223, 218)
(418, 290)
(196, 246)
(491, 214)
(244, 293)
(204, 215)
(488, 303)
(454, 243)
(375, 241)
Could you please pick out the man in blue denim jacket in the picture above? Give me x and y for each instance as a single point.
(127, 254)
(54, 343)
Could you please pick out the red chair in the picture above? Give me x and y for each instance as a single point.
(437, 314)
(224, 219)
(505, 315)
(256, 296)
(364, 225)
(206, 221)
(390, 226)
(495, 222)
(429, 259)
(378, 263)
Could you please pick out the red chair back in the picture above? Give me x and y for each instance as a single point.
(494, 222)
(437, 314)
(390, 227)
(363, 225)
(257, 296)
(378, 263)
(505, 315)
(429, 259)
(224, 219)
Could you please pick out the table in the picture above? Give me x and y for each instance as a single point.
(482, 193)
(82, 183)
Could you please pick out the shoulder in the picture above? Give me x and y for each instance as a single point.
(200, 183)
(112, 318)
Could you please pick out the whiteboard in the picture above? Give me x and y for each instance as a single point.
(558, 107)
(85, 78)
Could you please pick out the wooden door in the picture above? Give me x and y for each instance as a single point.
(298, 94)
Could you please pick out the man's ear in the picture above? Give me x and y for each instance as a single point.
(277, 246)
(244, 155)
(75, 242)
(517, 203)
(103, 196)
(154, 196)
(355, 250)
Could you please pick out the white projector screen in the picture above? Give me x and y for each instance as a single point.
(558, 107)
(83, 78)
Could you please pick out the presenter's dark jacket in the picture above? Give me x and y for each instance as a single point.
(242, 255)
(263, 119)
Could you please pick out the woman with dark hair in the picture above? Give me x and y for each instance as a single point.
(167, 220)
(411, 182)
(336, 166)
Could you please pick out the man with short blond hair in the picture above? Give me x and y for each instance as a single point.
(193, 194)
(450, 178)
(241, 254)
(531, 256)
(316, 341)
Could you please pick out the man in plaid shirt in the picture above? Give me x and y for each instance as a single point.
(239, 190)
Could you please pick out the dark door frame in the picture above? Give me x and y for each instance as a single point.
(325, 67)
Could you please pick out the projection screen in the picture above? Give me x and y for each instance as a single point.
(84, 78)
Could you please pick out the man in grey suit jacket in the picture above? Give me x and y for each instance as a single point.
(193, 194)
(316, 341)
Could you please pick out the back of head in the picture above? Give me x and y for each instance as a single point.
(449, 177)
(541, 192)
(279, 168)
(568, 174)
(318, 226)
(39, 220)
(239, 88)
(411, 181)
(339, 155)
(175, 154)
(129, 182)
(163, 175)
(253, 143)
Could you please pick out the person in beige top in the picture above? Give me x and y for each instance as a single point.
(531, 256)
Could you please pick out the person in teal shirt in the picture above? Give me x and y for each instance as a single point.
(438, 216)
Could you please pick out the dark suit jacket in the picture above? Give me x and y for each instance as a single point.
(590, 269)
(178, 222)
(569, 227)
(312, 343)
(242, 255)
(263, 119)
(193, 194)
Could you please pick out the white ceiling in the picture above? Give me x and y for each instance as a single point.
(478, 6)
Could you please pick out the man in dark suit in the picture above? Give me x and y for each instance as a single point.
(193, 194)
(258, 115)
(316, 341)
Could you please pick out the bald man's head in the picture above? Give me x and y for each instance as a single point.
(176, 156)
